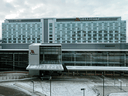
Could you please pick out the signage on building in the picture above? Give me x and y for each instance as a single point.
(32, 52)
(87, 19)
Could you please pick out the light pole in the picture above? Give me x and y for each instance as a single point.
(50, 84)
(33, 85)
(120, 84)
(114, 81)
(83, 91)
(103, 83)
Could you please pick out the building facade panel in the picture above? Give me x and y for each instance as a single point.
(65, 30)
(95, 58)
(13, 60)
(22, 32)
(90, 32)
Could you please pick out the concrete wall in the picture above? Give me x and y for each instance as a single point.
(96, 46)
(34, 57)
(15, 46)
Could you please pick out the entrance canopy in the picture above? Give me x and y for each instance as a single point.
(55, 67)
(96, 68)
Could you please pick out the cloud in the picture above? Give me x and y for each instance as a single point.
(62, 8)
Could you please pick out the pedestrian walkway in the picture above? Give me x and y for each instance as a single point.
(119, 94)
(30, 89)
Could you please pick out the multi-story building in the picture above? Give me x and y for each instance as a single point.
(62, 45)
(65, 30)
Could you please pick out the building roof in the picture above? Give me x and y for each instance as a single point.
(54, 67)
(97, 68)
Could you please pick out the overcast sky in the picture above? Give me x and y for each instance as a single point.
(10, 9)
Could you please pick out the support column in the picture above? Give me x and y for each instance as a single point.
(91, 59)
(86, 72)
(13, 62)
(124, 59)
(75, 59)
(85, 60)
(104, 73)
(107, 59)
(68, 72)
(43, 57)
(95, 73)
(113, 73)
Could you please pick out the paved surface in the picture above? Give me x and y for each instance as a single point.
(28, 88)
(71, 86)
(119, 94)
(109, 89)
(6, 91)
(112, 85)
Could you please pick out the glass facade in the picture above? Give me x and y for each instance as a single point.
(50, 55)
(90, 32)
(65, 30)
(13, 61)
(99, 58)
(22, 32)
(53, 55)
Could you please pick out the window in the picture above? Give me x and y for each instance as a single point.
(50, 28)
(50, 24)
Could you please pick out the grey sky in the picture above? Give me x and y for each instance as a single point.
(10, 9)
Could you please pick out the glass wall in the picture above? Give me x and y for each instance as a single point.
(90, 32)
(13, 61)
(99, 58)
(22, 32)
(50, 55)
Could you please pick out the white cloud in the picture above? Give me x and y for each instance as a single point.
(11, 16)
(62, 8)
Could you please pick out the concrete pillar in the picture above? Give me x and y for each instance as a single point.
(74, 59)
(86, 72)
(124, 59)
(77, 72)
(91, 59)
(113, 73)
(13, 62)
(107, 59)
(95, 73)
(43, 57)
(104, 73)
